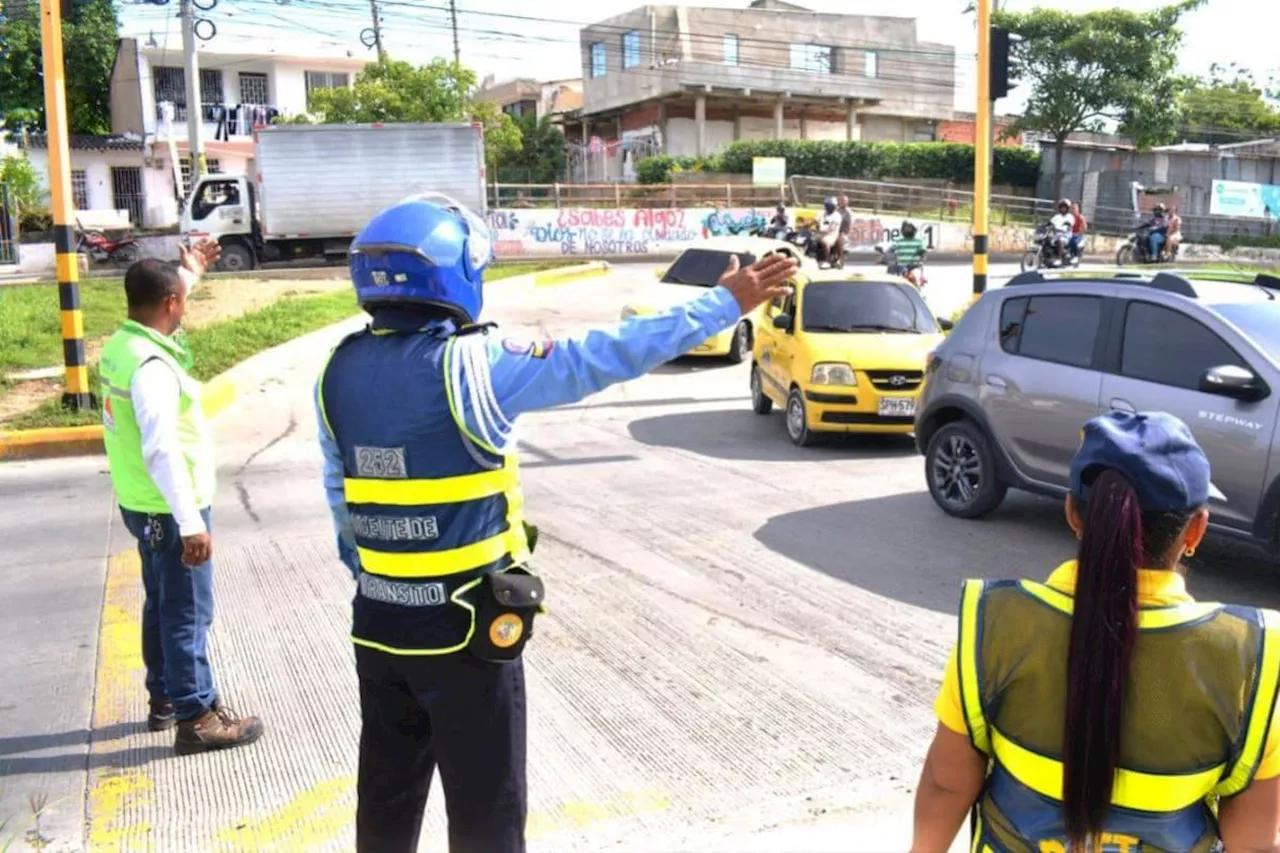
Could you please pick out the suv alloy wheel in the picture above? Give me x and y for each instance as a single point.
(960, 470)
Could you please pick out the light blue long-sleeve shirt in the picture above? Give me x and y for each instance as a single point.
(526, 375)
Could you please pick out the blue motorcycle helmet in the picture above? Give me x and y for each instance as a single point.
(428, 250)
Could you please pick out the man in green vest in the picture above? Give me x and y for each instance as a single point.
(160, 451)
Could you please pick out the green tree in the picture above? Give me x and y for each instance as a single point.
(391, 90)
(1089, 68)
(541, 156)
(89, 36)
(1227, 106)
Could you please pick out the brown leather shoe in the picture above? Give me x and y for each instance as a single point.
(217, 728)
(162, 716)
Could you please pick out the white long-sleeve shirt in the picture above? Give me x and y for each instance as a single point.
(157, 397)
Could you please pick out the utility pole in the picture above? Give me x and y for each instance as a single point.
(77, 394)
(453, 17)
(377, 30)
(982, 152)
(195, 107)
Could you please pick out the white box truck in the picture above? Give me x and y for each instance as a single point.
(315, 187)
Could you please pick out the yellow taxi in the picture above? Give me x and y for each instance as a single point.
(844, 353)
(699, 267)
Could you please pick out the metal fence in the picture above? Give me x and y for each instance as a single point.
(633, 195)
(8, 229)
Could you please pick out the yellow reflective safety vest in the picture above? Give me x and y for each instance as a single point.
(433, 509)
(1198, 708)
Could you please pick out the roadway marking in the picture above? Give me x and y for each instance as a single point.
(118, 797)
(312, 820)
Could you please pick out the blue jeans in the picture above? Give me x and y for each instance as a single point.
(1073, 245)
(1155, 240)
(176, 616)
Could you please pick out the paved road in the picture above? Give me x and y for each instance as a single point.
(741, 653)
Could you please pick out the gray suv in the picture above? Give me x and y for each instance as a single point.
(1009, 390)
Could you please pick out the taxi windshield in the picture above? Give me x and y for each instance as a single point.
(703, 267)
(849, 306)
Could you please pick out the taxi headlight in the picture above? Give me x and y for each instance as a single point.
(833, 373)
(628, 312)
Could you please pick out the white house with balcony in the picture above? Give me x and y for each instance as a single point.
(242, 86)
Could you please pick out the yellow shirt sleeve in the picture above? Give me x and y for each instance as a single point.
(1269, 766)
(950, 708)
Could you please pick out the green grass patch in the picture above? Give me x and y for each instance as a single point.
(31, 324)
(220, 346)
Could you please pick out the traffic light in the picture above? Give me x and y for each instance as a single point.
(999, 63)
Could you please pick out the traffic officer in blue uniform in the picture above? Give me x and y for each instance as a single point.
(416, 415)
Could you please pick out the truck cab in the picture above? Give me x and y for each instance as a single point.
(224, 207)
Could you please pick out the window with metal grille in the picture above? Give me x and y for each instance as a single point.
(170, 84)
(211, 93)
(79, 189)
(317, 80)
(212, 163)
(253, 88)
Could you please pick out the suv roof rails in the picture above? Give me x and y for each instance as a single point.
(1168, 282)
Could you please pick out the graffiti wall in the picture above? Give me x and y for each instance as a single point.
(663, 231)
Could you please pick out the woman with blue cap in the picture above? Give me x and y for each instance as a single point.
(1105, 709)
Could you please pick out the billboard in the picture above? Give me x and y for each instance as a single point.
(1243, 199)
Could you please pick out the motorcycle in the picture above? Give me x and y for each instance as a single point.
(913, 276)
(1043, 252)
(1137, 251)
(95, 244)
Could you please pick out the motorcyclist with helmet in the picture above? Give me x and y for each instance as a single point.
(1061, 225)
(1156, 230)
(417, 413)
(830, 239)
(908, 252)
(780, 224)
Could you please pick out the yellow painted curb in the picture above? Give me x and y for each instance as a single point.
(56, 442)
(573, 273)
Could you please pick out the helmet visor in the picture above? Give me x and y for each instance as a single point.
(479, 237)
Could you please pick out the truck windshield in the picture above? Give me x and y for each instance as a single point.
(702, 267)
(855, 306)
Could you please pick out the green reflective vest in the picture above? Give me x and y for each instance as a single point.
(127, 350)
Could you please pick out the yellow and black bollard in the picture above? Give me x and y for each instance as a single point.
(77, 394)
(982, 153)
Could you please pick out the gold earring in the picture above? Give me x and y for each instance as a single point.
(1189, 552)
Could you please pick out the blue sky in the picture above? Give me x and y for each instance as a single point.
(511, 38)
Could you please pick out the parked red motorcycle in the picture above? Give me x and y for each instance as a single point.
(95, 244)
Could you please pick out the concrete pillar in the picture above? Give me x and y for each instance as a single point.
(618, 128)
(737, 123)
(700, 124)
(586, 130)
(804, 125)
(777, 119)
(662, 126)
(851, 121)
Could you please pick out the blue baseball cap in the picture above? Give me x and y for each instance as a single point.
(1154, 451)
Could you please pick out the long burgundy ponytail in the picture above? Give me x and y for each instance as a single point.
(1103, 631)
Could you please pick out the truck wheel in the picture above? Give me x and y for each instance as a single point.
(236, 257)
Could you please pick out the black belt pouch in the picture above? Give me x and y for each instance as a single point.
(508, 602)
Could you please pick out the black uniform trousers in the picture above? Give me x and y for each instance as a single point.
(455, 712)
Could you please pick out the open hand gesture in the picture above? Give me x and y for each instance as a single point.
(759, 283)
(200, 257)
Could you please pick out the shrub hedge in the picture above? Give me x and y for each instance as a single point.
(947, 161)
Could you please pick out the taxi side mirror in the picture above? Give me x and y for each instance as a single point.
(785, 322)
(659, 273)
(945, 325)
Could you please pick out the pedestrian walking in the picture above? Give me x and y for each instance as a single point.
(1105, 709)
(161, 457)
(416, 415)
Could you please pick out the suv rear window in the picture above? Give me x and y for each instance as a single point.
(703, 267)
(1061, 329)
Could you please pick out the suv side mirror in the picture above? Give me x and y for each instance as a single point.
(1229, 380)
(785, 322)
(945, 324)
